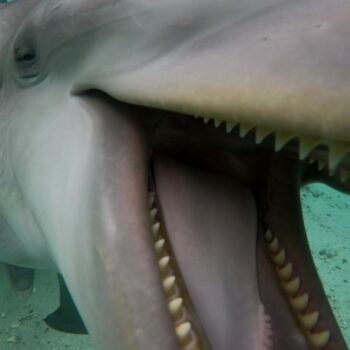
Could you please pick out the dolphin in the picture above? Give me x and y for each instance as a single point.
(152, 154)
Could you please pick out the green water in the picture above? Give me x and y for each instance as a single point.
(327, 220)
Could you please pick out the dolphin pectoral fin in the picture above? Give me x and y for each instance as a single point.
(66, 318)
(21, 277)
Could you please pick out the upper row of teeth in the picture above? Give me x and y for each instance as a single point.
(185, 333)
(336, 153)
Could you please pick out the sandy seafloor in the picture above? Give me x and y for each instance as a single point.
(327, 218)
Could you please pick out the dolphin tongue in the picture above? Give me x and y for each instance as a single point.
(211, 221)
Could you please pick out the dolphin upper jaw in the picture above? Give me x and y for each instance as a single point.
(296, 86)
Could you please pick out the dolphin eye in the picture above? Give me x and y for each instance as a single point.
(26, 60)
(25, 56)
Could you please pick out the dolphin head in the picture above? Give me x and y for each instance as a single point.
(172, 233)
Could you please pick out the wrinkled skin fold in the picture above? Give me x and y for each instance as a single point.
(97, 106)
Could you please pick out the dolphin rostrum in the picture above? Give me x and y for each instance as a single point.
(170, 232)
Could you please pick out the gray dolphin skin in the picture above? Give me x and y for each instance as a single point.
(152, 152)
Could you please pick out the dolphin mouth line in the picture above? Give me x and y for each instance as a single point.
(281, 244)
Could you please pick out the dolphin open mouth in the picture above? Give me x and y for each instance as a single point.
(228, 234)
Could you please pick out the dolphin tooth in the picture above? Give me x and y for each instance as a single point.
(292, 286)
(163, 264)
(260, 134)
(312, 160)
(274, 245)
(306, 145)
(344, 175)
(309, 320)
(244, 129)
(321, 165)
(175, 307)
(336, 153)
(151, 200)
(169, 285)
(300, 302)
(155, 230)
(217, 122)
(281, 139)
(280, 258)
(206, 120)
(183, 332)
(320, 339)
(286, 271)
(153, 214)
(268, 236)
(159, 246)
(331, 172)
(229, 126)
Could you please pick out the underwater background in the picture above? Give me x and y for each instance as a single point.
(327, 220)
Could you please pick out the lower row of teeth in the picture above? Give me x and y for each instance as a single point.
(290, 284)
(184, 330)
